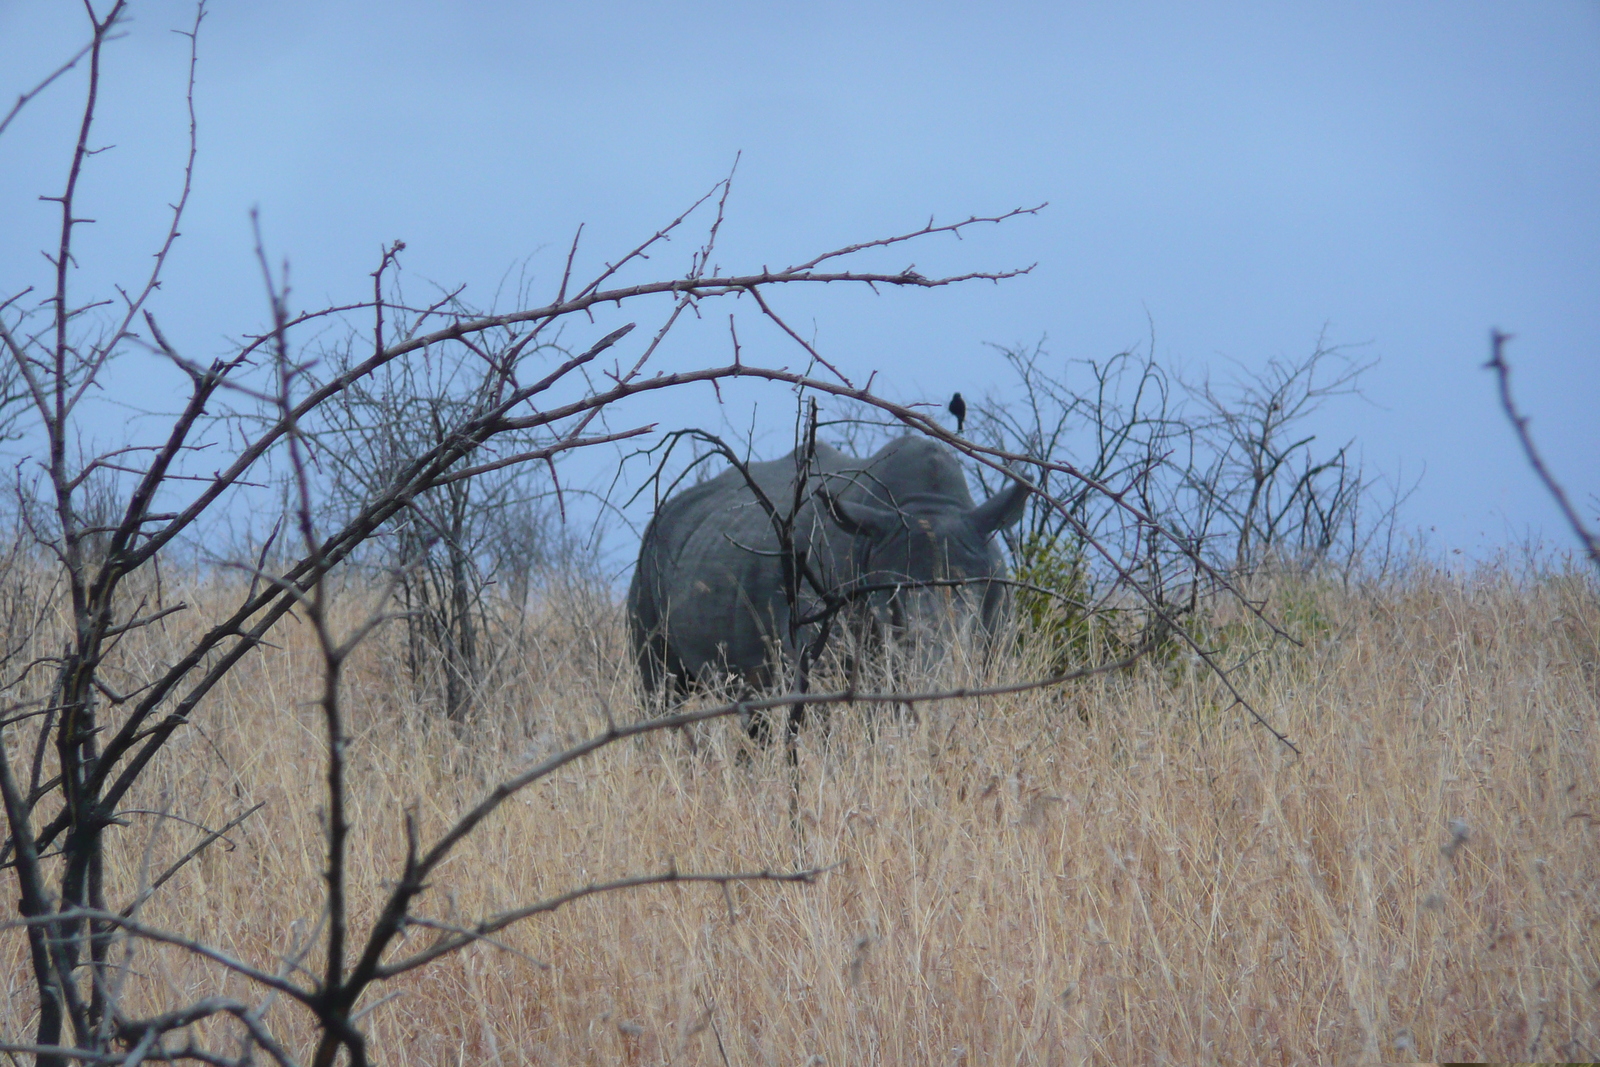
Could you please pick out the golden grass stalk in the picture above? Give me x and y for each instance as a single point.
(1121, 871)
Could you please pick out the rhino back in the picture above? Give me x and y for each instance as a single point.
(708, 593)
(907, 471)
(708, 581)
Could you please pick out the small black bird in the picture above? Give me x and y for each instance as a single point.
(958, 408)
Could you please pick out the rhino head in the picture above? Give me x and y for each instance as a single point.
(922, 560)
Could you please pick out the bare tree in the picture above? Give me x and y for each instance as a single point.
(1226, 479)
(1122, 430)
(98, 518)
(453, 543)
(1278, 499)
(1231, 465)
(101, 518)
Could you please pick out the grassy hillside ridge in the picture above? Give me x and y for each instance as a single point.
(1123, 871)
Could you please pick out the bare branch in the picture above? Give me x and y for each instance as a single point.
(1519, 422)
(151, 933)
(495, 923)
(153, 281)
(22, 100)
(182, 861)
(541, 453)
(148, 1030)
(930, 228)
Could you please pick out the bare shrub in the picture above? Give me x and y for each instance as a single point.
(1225, 477)
(118, 673)
(452, 543)
(101, 710)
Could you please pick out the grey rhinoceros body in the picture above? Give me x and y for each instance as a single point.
(708, 598)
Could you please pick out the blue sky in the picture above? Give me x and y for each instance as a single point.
(1239, 176)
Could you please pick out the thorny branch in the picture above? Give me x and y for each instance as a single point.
(1519, 423)
(494, 923)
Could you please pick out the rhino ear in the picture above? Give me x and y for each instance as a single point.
(859, 519)
(1002, 509)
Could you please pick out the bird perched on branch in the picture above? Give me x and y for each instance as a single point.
(958, 408)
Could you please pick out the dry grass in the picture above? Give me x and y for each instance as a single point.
(1121, 873)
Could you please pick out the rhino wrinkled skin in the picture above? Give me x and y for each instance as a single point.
(707, 599)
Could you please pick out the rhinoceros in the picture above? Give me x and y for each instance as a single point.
(708, 600)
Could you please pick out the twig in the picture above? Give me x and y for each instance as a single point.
(153, 1027)
(467, 935)
(1519, 422)
(930, 228)
(179, 864)
(546, 452)
(507, 918)
(22, 100)
(711, 1020)
(151, 933)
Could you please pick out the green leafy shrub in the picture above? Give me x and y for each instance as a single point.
(1059, 618)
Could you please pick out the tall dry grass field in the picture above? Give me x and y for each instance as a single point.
(1120, 872)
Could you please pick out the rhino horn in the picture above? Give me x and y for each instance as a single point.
(1002, 509)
